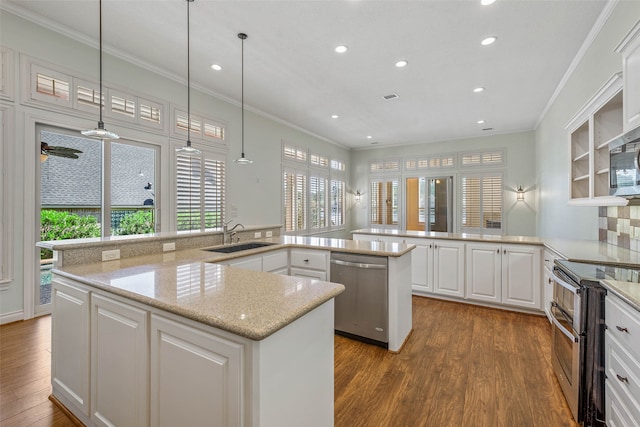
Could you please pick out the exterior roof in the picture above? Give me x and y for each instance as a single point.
(77, 182)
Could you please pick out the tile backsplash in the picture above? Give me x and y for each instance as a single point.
(620, 226)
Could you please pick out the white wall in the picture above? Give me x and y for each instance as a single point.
(556, 218)
(254, 193)
(520, 218)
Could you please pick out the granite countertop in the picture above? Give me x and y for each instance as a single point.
(628, 291)
(591, 251)
(247, 303)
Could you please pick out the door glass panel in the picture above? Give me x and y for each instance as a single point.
(133, 189)
(70, 195)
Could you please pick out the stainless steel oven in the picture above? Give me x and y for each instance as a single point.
(578, 337)
(565, 338)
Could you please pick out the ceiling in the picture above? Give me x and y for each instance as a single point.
(293, 74)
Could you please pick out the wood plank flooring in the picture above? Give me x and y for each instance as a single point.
(462, 366)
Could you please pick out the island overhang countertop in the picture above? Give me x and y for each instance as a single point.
(190, 284)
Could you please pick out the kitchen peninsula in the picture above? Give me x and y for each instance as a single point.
(177, 337)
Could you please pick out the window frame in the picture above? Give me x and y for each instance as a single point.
(482, 229)
(6, 213)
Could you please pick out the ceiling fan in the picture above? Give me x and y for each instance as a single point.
(46, 150)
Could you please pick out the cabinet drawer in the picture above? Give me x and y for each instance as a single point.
(309, 259)
(617, 413)
(308, 274)
(275, 261)
(623, 323)
(549, 258)
(622, 374)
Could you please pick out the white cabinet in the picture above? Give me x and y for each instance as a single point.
(448, 268)
(119, 360)
(622, 363)
(505, 274)
(309, 263)
(484, 272)
(251, 262)
(196, 377)
(421, 259)
(70, 345)
(521, 276)
(276, 262)
(590, 131)
(630, 49)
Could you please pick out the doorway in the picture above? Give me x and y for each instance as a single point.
(429, 203)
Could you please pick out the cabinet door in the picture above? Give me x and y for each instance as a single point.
(248, 263)
(119, 361)
(70, 344)
(484, 272)
(448, 268)
(521, 276)
(419, 281)
(275, 262)
(308, 274)
(196, 377)
(631, 78)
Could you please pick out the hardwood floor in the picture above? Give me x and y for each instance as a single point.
(462, 366)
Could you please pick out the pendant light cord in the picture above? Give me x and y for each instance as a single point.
(100, 122)
(188, 77)
(242, 37)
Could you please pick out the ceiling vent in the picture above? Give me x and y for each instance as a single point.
(392, 96)
(487, 129)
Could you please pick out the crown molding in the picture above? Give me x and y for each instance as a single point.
(588, 41)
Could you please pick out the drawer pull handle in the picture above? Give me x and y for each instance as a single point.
(498, 251)
(621, 329)
(622, 379)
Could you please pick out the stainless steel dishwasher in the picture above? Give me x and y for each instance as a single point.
(362, 310)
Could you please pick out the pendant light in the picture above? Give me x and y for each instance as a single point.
(100, 132)
(242, 160)
(188, 150)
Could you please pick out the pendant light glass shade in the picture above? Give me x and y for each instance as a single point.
(242, 160)
(100, 132)
(188, 150)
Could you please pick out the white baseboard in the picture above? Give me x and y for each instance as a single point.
(13, 316)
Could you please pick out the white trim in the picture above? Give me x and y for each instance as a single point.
(631, 36)
(12, 316)
(8, 83)
(601, 97)
(588, 41)
(7, 158)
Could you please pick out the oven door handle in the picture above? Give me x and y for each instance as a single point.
(564, 330)
(573, 288)
(562, 311)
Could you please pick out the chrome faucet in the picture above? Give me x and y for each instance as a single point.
(228, 234)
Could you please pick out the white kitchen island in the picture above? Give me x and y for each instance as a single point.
(176, 339)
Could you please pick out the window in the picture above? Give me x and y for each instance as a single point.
(482, 203)
(202, 128)
(314, 191)
(432, 162)
(488, 158)
(50, 86)
(295, 201)
(200, 185)
(384, 201)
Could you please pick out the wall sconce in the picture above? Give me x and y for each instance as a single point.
(358, 196)
(520, 194)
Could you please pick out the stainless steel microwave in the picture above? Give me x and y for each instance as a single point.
(624, 165)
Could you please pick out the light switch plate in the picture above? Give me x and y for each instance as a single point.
(111, 255)
(171, 246)
(257, 234)
(269, 233)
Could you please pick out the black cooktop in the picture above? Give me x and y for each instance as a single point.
(580, 271)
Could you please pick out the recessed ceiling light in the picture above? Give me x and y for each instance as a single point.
(401, 63)
(216, 67)
(487, 2)
(334, 116)
(341, 49)
(489, 40)
(480, 122)
(369, 136)
(478, 89)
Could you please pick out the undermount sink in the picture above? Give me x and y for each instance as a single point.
(238, 247)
